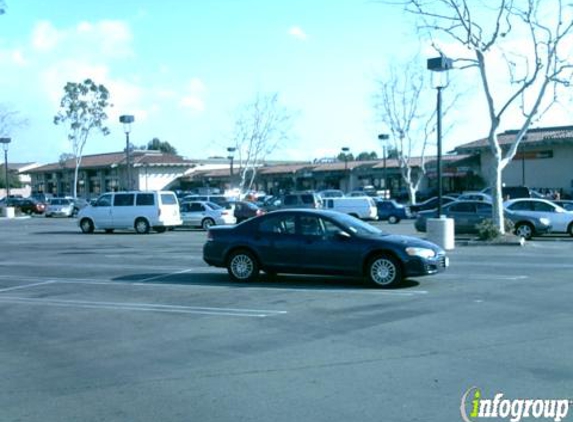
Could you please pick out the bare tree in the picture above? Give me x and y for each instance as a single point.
(10, 120)
(400, 106)
(260, 126)
(83, 107)
(529, 37)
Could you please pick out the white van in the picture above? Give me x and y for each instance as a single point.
(360, 207)
(141, 211)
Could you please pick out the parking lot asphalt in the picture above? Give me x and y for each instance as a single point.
(127, 327)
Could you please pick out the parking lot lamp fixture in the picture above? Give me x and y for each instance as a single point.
(345, 154)
(439, 67)
(231, 158)
(383, 137)
(5, 142)
(127, 120)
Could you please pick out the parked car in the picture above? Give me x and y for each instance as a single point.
(30, 206)
(139, 211)
(561, 220)
(217, 199)
(362, 207)
(205, 214)
(430, 204)
(514, 192)
(319, 242)
(79, 203)
(294, 200)
(59, 207)
(331, 193)
(566, 204)
(392, 211)
(243, 210)
(474, 196)
(468, 214)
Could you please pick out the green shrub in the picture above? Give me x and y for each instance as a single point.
(487, 230)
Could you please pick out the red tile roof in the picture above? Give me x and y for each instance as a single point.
(557, 134)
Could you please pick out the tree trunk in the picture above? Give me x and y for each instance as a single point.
(497, 197)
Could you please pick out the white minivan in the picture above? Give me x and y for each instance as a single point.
(140, 211)
(360, 207)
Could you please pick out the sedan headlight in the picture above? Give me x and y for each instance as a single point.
(545, 221)
(421, 252)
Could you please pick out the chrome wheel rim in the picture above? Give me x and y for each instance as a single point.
(524, 231)
(207, 224)
(242, 266)
(383, 271)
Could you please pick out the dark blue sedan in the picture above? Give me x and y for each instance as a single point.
(319, 242)
(389, 209)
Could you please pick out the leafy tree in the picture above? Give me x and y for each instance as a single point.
(345, 157)
(260, 126)
(165, 147)
(2, 7)
(83, 109)
(531, 38)
(365, 156)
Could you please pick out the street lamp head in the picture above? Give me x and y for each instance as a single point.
(5, 142)
(439, 67)
(345, 149)
(127, 120)
(383, 137)
(231, 150)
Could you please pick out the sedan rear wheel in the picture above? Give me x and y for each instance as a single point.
(242, 266)
(384, 271)
(570, 229)
(208, 222)
(524, 230)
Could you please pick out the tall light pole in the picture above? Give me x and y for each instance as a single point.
(231, 158)
(345, 152)
(522, 144)
(127, 120)
(383, 137)
(440, 66)
(5, 142)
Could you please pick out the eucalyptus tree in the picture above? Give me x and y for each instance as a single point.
(83, 109)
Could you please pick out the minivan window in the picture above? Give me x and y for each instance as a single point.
(307, 199)
(144, 199)
(104, 201)
(123, 200)
(168, 199)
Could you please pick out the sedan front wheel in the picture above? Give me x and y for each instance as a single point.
(524, 230)
(384, 271)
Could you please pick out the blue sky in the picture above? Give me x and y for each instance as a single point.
(183, 67)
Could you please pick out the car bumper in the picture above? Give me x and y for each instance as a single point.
(417, 266)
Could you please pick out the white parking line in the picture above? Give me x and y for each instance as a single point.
(144, 307)
(9, 289)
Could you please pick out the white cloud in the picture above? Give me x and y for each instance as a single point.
(45, 37)
(297, 33)
(193, 103)
(18, 58)
(192, 99)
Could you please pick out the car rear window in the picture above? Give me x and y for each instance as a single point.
(307, 199)
(144, 199)
(168, 199)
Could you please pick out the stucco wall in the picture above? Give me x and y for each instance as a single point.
(552, 173)
(158, 178)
